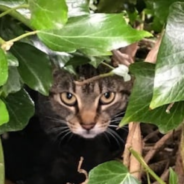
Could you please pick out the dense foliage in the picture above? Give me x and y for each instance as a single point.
(78, 32)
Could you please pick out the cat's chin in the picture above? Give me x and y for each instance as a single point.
(88, 134)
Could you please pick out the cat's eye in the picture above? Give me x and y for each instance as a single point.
(107, 97)
(68, 98)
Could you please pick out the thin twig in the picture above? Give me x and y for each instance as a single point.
(146, 167)
(82, 170)
(169, 108)
(92, 79)
(157, 146)
(150, 135)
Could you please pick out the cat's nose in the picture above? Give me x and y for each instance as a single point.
(87, 126)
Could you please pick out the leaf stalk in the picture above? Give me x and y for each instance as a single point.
(12, 9)
(146, 167)
(15, 14)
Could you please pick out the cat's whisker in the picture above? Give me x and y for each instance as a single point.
(116, 135)
(65, 135)
(115, 126)
(106, 136)
(112, 135)
(120, 113)
(58, 129)
(70, 137)
(116, 120)
(56, 120)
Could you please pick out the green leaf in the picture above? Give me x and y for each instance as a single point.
(21, 13)
(2, 172)
(112, 172)
(13, 83)
(138, 107)
(77, 60)
(173, 178)
(169, 78)
(4, 116)
(103, 32)
(34, 67)
(109, 6)
(3, 68)
(48, 15)
(12, 60)
(12, 3)
(160, 13)
(20, 108)
(9, 28)
(76, 8)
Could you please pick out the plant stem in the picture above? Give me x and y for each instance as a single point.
(12, 9)
(104, 63)
(145, 166)
(92, 79)
(16, 14)
(6, 45)
(23, 36)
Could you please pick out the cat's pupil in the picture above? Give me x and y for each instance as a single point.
(107, 95)
(69, 96)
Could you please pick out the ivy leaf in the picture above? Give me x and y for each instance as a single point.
(102, 32)
(48, 15)
(13, 4)
(160, 13)
(9, 28)
(138, 107)
(4, 116)
(77, 60)
(34, 67)
(12, 60)
(13, 83)
(76, 8)
(110, 6)
(20, 108)
(173, 178)
(169, 78)
(3, 68)
(111, 172)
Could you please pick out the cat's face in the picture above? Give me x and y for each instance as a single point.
(87, 110)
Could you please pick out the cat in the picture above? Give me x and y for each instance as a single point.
(73, 121)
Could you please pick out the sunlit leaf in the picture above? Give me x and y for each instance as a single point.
(48, 15)
(103, 32)
(76, 8)
(169, 76)
(112, 172)
(138, 107)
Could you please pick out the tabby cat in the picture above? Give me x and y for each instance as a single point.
(71, 122)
